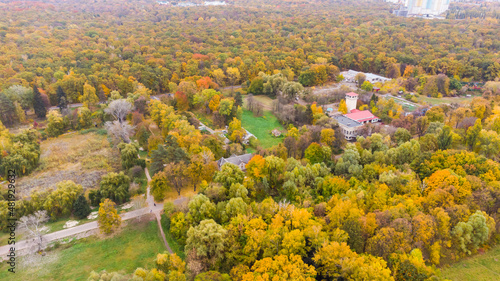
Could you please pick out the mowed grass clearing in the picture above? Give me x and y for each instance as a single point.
(447, 100)
(481, 267)
(262, 127)
(135, 246)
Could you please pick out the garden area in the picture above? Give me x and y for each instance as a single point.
(136, 245)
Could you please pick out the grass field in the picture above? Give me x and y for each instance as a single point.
(261, 127)
(481, 267)
(437, 101)
(135, 246)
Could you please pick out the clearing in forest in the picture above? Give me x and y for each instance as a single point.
(262, 127)
(82, 158)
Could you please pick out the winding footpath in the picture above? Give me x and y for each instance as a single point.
(91, 228)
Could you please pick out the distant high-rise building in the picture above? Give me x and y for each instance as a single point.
(427, 7)
(423, 7)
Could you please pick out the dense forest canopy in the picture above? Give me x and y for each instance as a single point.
(111, 43)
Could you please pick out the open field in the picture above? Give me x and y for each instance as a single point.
(265, 101)
(481, 267)
(135, 246)
(261, 127)
(82, 158)
(447, 100)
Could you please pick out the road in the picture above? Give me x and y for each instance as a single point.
(73, 105)
(91, 228)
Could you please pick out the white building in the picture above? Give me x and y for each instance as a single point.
(423, 7)
(350, 75)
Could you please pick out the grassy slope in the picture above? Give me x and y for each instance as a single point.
(481, 267)
(261, 127)
(136, 246)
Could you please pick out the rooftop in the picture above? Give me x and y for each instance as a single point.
(235, 159)
(361, 116)
(347, 121)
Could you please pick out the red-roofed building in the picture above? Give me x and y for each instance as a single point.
(364, 116)
(350, 123)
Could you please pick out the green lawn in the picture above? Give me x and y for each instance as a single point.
(261, 127)
(437, 101)
(481, 267)
(135, 246)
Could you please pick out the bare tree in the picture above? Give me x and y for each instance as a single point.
(120, 131)
(119, 109)
(33, 226)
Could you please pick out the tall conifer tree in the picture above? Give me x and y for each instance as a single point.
(38, 103)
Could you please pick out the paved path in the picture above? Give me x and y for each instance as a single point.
(91, 228)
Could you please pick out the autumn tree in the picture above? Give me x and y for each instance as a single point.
(55, 126)
(275, 268)
(343, 106)
(89, 97)
(108, 218)
(236, 132)
(84, 118)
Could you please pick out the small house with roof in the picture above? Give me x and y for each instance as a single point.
(239, 160)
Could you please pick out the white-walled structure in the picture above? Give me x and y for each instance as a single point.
(351, 100)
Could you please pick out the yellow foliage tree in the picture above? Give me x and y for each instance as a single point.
(343, 107)
(108, 218)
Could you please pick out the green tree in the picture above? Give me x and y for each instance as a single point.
(200, 208)
(115, 187)
(316, 153)
(445, 138)
(7, 110)
(60, 201)
(129, 154)
(473, 133)
(402, 135)
(367, 86)
(229, 174)
(257, 86)
(207, 240)
(81, 207)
